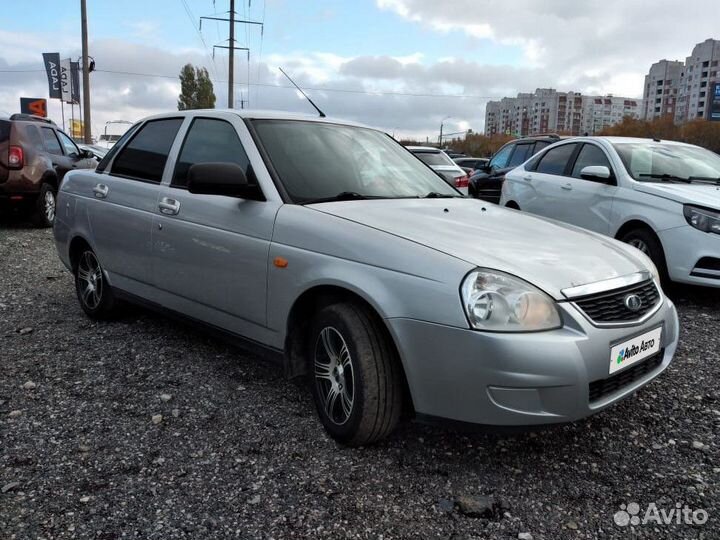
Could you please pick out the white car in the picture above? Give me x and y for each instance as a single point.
(661, 197)
(442, 164)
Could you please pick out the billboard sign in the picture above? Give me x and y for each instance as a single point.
(36, 106)
(714, 108)
(75, 81)
(52, 69)
(66, 80)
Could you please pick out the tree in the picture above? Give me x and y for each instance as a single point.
(196, 89)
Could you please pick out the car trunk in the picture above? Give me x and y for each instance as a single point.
(4, 147)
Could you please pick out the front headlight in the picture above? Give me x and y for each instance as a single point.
(500, 302)
(702, 218)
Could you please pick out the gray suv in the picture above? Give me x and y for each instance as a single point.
(329, 245)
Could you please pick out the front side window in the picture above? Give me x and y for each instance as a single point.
(500, 159)
(209, 140)
(318, 160)
(659, 162)
(109, 154)
(555, 160)
(51, 141)
(144, 157)
(589, 155)
(70, 147)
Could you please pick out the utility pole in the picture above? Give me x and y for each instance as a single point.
(231, 57)
(86, 73)
(232, 48)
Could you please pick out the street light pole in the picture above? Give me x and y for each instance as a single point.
(85, 74)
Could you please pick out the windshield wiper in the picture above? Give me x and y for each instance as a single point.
(436, 195)
(665, 177)
(342, 196)
(715, 180)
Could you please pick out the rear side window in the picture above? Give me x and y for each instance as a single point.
(521, 153)
(144, 157)
(33, 136)
(114, 150)
(434, 158)
(209, 140)
(555, 160)
(52, 144)
(539, 145)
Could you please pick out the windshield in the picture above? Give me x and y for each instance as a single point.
(317, 160)
(434, 158)
(655, 162)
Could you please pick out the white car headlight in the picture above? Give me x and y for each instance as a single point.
(703, 219)
(500, 302)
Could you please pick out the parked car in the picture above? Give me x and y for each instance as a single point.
(441, 163)
(661, 197)
(486, 182)
(470, 164)
(264, 226)
(114, 129)
(34, 157)
(98, 152)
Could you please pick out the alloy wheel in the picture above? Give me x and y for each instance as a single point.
(49, 202)
(334, 375)
(641, 245)
(90, 277)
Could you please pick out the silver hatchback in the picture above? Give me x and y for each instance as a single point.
(330, 245)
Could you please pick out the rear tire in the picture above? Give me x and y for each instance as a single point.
(44, 214)
(93, 291)
(355, 375)
(649, 244)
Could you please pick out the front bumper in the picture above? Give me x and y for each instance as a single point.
(684, 248)
(520, 379)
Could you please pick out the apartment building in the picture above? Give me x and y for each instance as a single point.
(662, 86)
(549, 111)
(697, 82)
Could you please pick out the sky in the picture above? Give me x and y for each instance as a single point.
(405, 66)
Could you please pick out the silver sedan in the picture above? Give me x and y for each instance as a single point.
(332, 247)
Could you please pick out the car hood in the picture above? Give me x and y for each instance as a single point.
(701, 194)
(550, 255)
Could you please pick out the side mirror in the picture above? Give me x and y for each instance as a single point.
(598, 173)
(221, 179)
(86, 154)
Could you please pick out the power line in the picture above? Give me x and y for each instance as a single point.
(190, 15)
(268, 85)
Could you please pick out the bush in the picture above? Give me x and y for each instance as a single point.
(700, 132)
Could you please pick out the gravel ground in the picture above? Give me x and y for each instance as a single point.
(144, 428)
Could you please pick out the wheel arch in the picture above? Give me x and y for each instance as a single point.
(300, 317)
(75, 248)
(633, 224)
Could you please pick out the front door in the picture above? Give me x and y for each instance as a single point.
(211, 251)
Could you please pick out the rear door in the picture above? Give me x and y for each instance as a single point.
(211, 251)
(123, 204)
(543, 189)
(60, 161)
(5, 127)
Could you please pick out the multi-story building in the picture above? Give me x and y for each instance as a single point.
(662, 86)
(547, 110)
(696, 83)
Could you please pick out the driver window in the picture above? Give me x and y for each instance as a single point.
(589, 155)
(500, 159)
(209, 140)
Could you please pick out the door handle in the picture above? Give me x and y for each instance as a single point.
(527, 178)
(567, 187)
(169, 206)
(101, 191)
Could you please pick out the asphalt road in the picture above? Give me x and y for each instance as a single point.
(146, 428)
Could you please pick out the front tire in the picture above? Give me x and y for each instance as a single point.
(648, 243)
(355, 375)
(93, 291)
(45, 207)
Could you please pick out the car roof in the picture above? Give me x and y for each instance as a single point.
(620, 140)
(260, 115)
